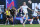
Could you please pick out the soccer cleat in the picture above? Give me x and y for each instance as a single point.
(23, 25)
(30, 23)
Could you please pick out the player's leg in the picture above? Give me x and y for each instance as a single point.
(25, 20)
(32, 20)
(11, 19)
(38, 19)
(6, 19)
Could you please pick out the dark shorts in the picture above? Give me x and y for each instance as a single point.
(34, 16)
(9, 16)
(13, 16)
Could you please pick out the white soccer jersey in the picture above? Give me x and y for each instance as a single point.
(35, 12)
(25, 9)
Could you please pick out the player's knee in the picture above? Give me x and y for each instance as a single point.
(33, 17)
(37, 17)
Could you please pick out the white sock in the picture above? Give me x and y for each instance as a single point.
(21, 20)
(31, 21)
(38, 20)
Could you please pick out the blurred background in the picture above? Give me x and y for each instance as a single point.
(4, 4)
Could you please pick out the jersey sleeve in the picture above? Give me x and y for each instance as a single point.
(36, 10)
(27, 7)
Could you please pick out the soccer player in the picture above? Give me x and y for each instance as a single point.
(13, 12)
(24, 8)
(8, 15)
(35, 15)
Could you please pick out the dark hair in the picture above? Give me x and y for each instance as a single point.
(8, 8)
(23, 2)
(13, 7)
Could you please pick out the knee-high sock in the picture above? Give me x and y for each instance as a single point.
(38, 20)
(31, 21)
(26, 20)
(21, 20)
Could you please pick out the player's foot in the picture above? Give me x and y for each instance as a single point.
(5, 23)
(39, 23)
(23, 25)
(12, 25)
(30, 23)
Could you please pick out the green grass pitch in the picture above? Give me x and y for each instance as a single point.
(19, 25)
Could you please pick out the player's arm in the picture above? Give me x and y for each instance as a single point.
(20, 7)
(29, 8)
(37, 12)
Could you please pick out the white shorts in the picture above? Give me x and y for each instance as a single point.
(25, 11)
(25, 14)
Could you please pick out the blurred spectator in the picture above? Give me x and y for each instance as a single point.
(21, 12)
(29, 1)
(18, 11)
(0, 10)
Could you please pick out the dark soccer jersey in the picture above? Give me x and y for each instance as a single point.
(12, 11)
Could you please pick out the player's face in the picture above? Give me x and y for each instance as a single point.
(8, 8)
(36, 7)
(29, 0)
(13, 8)
(24, 3)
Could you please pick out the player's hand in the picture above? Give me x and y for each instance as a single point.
(32, 10)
